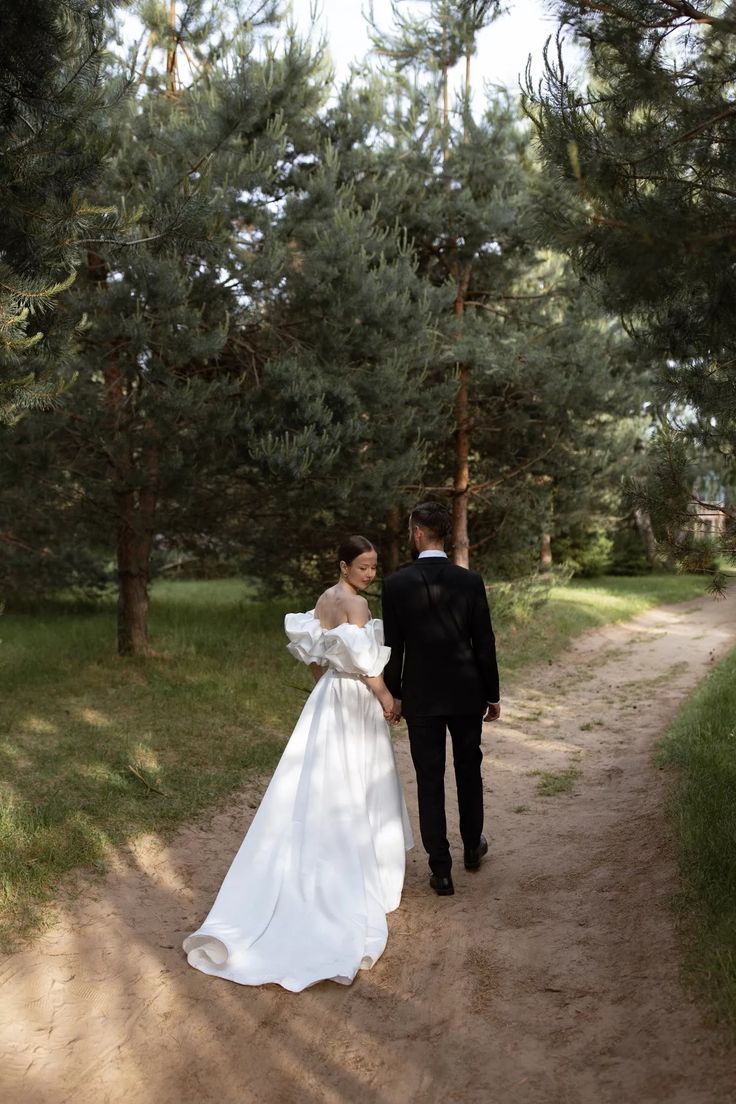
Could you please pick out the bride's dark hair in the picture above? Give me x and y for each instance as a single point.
(352, 547)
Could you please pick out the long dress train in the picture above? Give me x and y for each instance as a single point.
(323, 861)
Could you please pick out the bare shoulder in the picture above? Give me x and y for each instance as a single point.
(334, 607)
(325, 608)
(357, 609)
(324, 597)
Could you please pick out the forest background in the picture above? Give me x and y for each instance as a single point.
(245, 309)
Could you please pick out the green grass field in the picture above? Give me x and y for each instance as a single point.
(95, 749)
(702, 744)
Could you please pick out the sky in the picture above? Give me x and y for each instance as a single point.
(503, 47)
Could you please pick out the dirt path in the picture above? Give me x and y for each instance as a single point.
(550, 978)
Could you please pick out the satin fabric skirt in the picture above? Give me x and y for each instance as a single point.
(323, 862)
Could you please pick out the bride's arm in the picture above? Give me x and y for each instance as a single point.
(382, 692)
(359, 614)
(317, 671)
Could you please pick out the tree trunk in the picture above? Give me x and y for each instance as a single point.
(468, 56)
(171, 53)
(461, 481)
(445, 115)
(545, 557)
(460, 538)
(445, 98)
(134, 494)
(133, 553)
(393, 546)
(135, 509)
(136, 518)
(644, 526)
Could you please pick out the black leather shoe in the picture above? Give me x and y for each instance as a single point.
(473, 855)
(442, 885)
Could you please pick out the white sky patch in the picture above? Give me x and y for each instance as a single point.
(503, 48)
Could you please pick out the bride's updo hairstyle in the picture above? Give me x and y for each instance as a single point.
(351, 548)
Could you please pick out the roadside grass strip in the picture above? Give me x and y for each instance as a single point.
(701, 744)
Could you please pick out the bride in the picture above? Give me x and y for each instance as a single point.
(306, 896)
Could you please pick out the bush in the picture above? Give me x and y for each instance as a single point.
(629, 556)
(514, 601)
(586, 552)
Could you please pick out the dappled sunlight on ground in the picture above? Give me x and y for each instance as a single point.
(94, 717)
(38, 726)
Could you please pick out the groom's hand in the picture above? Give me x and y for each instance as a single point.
(392, 714)
(493, 712)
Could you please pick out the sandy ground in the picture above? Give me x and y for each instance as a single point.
(551, 977)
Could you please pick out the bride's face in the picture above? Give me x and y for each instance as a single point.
(362, 571)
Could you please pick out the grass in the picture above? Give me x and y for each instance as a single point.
(95, 750)
(552, 783)
(192, 724)
(701, 743)
(588, 604)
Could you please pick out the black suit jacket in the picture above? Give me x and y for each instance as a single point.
(443, 652)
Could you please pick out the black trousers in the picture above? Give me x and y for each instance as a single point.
(428, 739)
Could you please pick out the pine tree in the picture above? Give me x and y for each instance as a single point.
(341, 418)
(55, 93)
(249, 377)
(201, 144)
(535, 370)
(451, 159)
(640, 169)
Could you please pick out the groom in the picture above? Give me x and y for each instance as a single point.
(443, 675)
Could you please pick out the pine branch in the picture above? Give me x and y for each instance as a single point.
(728, 113)
(489, 484)
(680, 9)
(715, 509)
(147, 784)
(8, 538)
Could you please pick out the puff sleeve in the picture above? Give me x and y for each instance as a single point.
(357, 650)
(306, 637)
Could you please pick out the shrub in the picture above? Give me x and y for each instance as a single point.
(586, 551)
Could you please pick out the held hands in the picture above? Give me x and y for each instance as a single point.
(392, 710)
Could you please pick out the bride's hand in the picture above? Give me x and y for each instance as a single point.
(387, 704)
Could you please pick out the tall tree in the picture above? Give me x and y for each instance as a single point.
(201, 144)
(429, 47)
(535, 369)
(640, 168)
(344, 407)
(250, 373)
(55, 92)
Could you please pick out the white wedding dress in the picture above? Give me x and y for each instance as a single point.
(306, 896)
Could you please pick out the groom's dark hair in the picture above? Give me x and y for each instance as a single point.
(434, 517)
